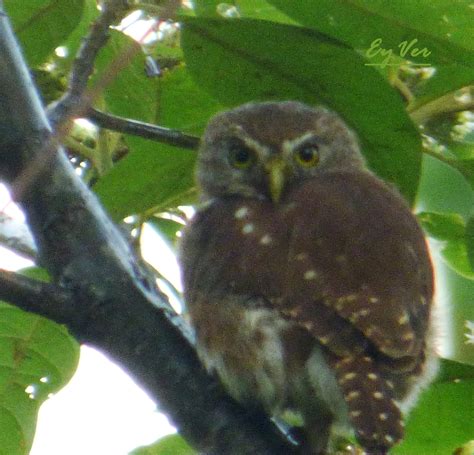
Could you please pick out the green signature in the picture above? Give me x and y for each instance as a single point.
(406, 49)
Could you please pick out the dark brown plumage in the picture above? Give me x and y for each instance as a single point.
(307, 280)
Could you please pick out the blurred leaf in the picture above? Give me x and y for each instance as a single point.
(452, 371)
(169, 445)
(446, 79)
(445, 28)
(129, 93)
(74, 40)
(470, 241)
(443, 226)
(37, 358)
(258, 9)
(167, 228)
(182, 104)
(247, 60)
(151, 175)
(466, 167)
(43, 25)
(443, 419)
(455, 255)
(450, 228)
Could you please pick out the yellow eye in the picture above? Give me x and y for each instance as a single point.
(240, 156)
(307, 155)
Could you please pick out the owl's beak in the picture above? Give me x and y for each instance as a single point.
(277, 171)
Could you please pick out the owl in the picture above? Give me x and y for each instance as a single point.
(307, 280)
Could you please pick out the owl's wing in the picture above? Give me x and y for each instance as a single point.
(359, 272)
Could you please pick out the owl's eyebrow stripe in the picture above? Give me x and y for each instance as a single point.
(291, 144)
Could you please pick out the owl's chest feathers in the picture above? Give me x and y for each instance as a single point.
(261, 358)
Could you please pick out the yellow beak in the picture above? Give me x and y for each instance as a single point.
(277, 171)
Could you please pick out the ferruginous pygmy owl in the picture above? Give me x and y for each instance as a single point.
(307, 279)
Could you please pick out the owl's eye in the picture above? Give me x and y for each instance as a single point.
(307, 155)
(240, 156)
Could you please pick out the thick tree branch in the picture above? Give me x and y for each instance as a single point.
(116, 307)
(146, 130)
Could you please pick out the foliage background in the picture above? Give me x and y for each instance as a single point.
(415, 124)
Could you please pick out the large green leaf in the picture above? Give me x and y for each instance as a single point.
(470, 241)
(157, 175)
(244, 60)
(450, 229)
(43, 25)
(128, 92)
(37, 358)
(443, 27)
(152, 175)
(444, 417)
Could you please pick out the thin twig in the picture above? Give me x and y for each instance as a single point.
(145, 130)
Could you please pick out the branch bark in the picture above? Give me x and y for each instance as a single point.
(145, 130)
(100, 290)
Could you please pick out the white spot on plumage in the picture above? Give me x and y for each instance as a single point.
(402, 320)
(241, 212)
(378, 395)
(390, 439)
(301, 256)
(383, 416)
(372, 376)
(248, 228)
(373, 300)
(266, 240)
(352, 395)
(310, 275)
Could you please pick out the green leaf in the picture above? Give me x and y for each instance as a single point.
(151, 175)
(449, 228)
(451, 371)
(182, 104)
(169, 445)
(443, 226)
(444, 416)
(470, 241)
(455, 255)
(37, 358)
(155, 175)
(444, 28)
(167, 228)
(248, 60)
(446, 79)
(127, 89)
(43, 25)
(257, 9)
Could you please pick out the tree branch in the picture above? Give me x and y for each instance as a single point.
(116, 307)
(146, 130)
(73, 101)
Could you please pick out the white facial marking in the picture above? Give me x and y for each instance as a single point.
(248, 228)
(241, 212)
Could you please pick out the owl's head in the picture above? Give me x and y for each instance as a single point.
(261, 149)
